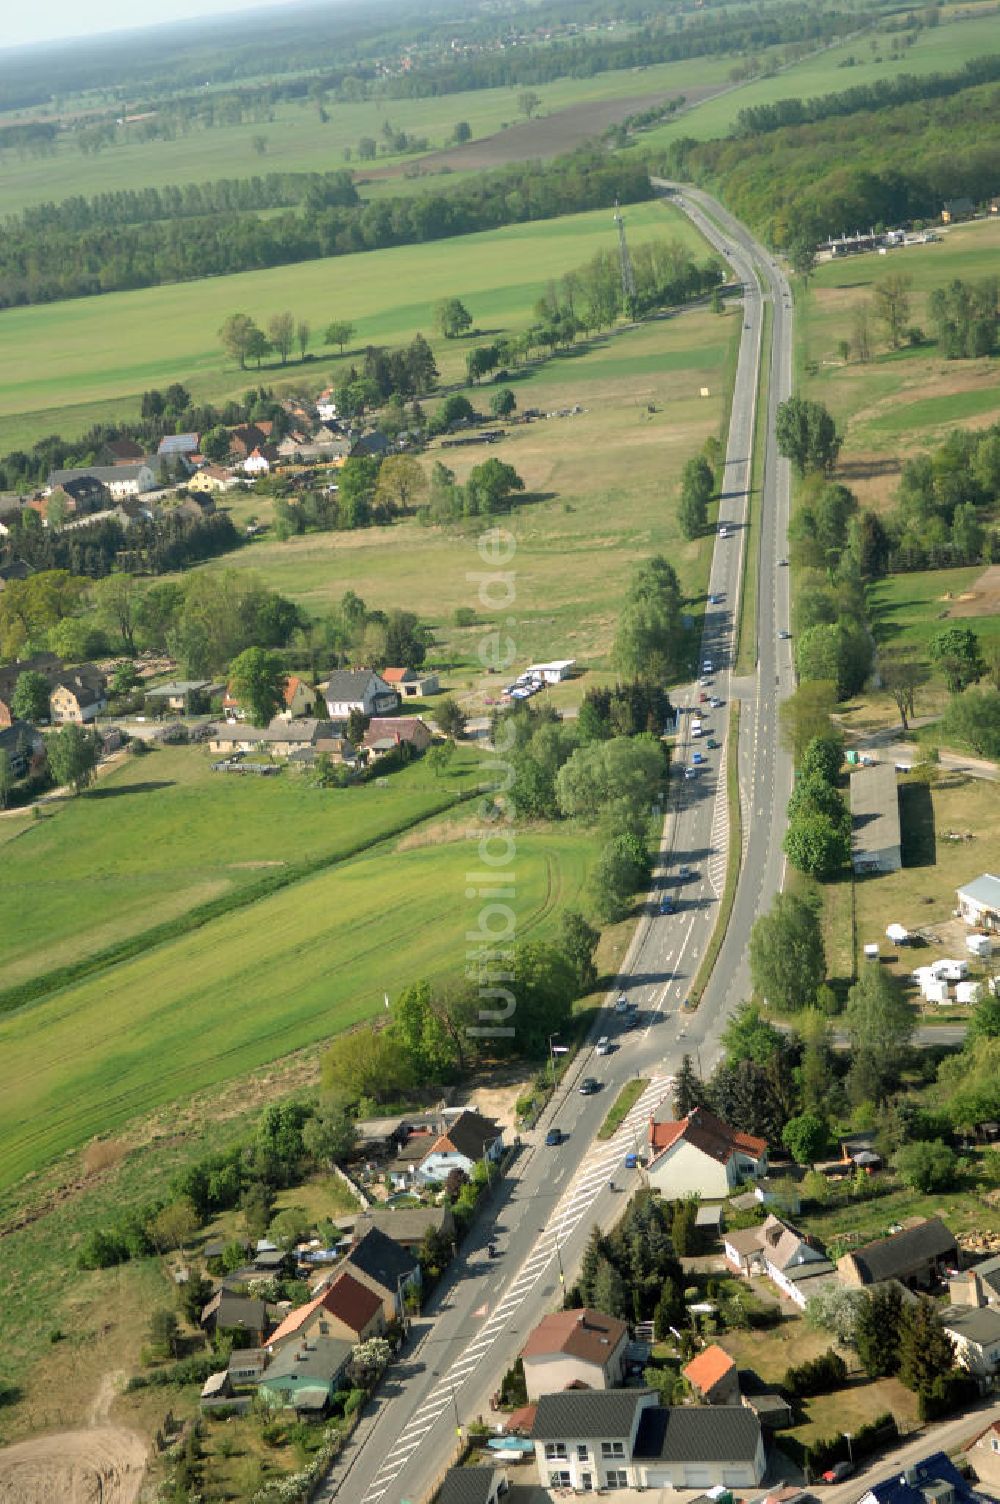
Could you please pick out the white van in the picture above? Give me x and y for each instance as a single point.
(695, 728)
(604, 1045)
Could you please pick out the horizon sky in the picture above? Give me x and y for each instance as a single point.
(60, 20)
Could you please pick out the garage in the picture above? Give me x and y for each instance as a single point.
(697, 1477)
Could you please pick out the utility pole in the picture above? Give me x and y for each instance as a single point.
(625, 260)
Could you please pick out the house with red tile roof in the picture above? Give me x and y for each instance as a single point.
(410, 685)
(701, 1155)
(713, 1376)
(582, 1349)
(346, 1308)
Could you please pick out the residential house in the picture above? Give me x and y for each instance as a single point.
(875, 833)
(259, 461)
(43, 663)
(229, 1312)
(581, 1349)
(82, 491)
(621, 1438)
(326, 408)
(979, 903)
(122, 452)
(246, 1365)
(387, 732)
(209, 480)
(114, 481)
(916, 1256)
(300, 697)
(369, 446)
(346, 1309)
(983, 1451)
(281, 738)
(781, 1253)
(408, 1225)
(551, 673)
(384, 1267)
(243, 441)
(358, 689)
(701, 1155)
(24, 747)
(306, 1372)
(403, 1168)
(474, 1485)
(78, 695)
(954, 210)
(713, 1376)
(410, 685)
(975, 1336)
(461, 1145)
(175, 446)
(978, 1286)
(932, 1480)
(177, 693)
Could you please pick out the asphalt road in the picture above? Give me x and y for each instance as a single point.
(543, 1211)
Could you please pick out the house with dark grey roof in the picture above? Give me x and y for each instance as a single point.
(975, 1336)
(487, 1485)
(23, 746)
(385, 1267)
(358, 689)
(621, 1438)
(978, 1286)
(915, 1256)
(408, 1225)
(932, 1480)
(875, 832)
(227, 1312)
(117, 481)
(78, 695)
(461, 1145)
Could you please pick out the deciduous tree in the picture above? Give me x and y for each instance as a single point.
(787, 959)
(257, 682)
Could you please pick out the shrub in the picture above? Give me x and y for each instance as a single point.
(816, 1377)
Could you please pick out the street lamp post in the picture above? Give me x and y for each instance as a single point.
(552, 1055)
(850, 1449)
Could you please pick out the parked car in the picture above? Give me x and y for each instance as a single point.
(712, 744)
(784, 635)
(716, 703)
(588, 1086)
(838, 1472)
(553, 1138)
(697, 758)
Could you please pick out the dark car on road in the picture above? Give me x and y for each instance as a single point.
(553, 1138)
(588, 1086)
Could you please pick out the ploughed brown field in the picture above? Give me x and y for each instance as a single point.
(548, 136)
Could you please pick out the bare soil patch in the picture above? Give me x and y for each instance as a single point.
(102, 1466)
(548, 136)
(984, 597)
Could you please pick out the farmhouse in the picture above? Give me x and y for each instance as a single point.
(260, 460)
(916, 1256)
(282, 738)
(875, 835)
(178, 694)
(616, 1438)
(210, 479)
(305, 1373)
(409, 684)
(23, 745)
(178, 445)
(358, 689)
(701, 1155)
(82, 491)
(582, 1349)
(243, 441)
(384, 1267)
(979, 903)
(227, 1312)
(122, 452)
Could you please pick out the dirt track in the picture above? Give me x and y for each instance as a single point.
(101, 1466)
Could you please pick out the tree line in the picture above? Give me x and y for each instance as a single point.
(38, 265)
(882, 94)
(145, 547)
(148, 205)
(892, 167)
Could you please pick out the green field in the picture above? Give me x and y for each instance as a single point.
(288, 971)
(909, 608)
(162, 834)
(89, 359)
(607, 475)
(298, 142)
(942, 49)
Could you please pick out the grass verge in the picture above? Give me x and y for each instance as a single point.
(746, 634)
(626, 1100)
(733, 863)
